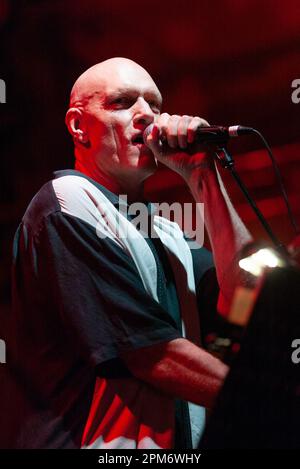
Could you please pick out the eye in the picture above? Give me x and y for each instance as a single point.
(155, 106)
(122, 102)
(118, 100)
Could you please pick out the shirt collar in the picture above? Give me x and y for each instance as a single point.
(117, 201)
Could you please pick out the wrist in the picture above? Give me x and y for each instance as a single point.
(202, 173)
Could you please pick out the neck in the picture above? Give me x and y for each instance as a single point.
(132, 188)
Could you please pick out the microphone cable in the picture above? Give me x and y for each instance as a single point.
(279, 179)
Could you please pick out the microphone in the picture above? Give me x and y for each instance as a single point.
(211, 134)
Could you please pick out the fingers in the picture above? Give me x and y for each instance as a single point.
(168, 129)
(194, 124)
(154, 139)
(182, 129)
(178, 131)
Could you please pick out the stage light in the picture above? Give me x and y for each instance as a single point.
(261, 259)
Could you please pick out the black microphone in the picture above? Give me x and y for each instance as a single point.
(212, 134)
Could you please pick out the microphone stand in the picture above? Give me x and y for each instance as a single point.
(226, 160)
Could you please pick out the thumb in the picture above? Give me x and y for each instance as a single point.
(153, 141)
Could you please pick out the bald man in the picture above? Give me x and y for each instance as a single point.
(106, 350)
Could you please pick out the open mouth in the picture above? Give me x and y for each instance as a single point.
(138, 139)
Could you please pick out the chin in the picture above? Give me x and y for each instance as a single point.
(147, 162)
(141, 160)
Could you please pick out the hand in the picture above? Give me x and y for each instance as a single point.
(172, 142)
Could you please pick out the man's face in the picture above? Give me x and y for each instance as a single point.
(122, 103)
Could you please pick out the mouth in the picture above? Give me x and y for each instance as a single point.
(138, 139)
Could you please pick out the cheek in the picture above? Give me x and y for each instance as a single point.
(102, 138)
(111, 134)
(120, 132)
(97, 131)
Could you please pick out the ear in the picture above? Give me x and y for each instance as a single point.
(74, 122)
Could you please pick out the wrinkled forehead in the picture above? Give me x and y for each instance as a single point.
(105, 80)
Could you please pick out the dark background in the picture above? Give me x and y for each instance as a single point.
(230, 61)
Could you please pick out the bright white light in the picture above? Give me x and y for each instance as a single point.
(266, 257)
(250, 266)
(259, 260)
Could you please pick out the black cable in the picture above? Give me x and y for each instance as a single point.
(280, 181)
(280, 247)
(227, 162)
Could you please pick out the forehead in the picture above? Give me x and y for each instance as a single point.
(127, 79)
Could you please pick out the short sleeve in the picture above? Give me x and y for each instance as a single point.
(95, 290)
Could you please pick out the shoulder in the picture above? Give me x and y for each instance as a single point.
(68, 193)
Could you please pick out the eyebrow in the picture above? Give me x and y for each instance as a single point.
(133, 92)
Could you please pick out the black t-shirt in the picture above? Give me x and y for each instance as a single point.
(82, 295)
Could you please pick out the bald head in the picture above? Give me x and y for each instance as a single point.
(97, 79)
(110, 104)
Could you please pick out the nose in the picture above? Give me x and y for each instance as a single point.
(143, 114)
